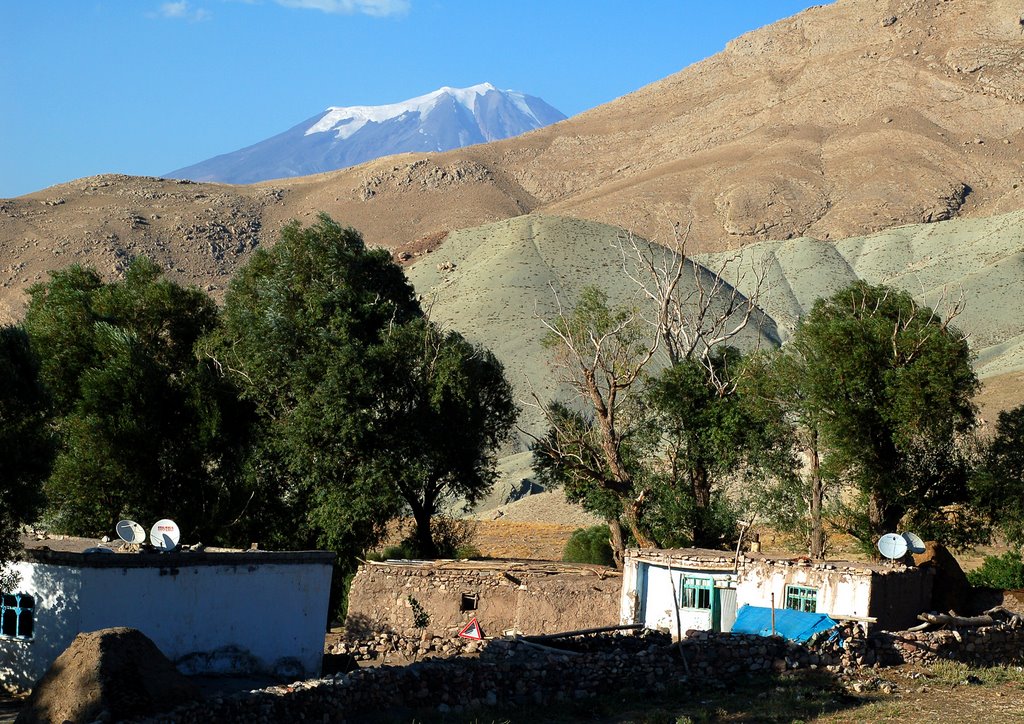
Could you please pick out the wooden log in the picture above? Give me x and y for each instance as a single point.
(585, 631)
(945, 619)
(549, 649)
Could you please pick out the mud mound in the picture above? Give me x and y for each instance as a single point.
(113, 674)
(951, 590)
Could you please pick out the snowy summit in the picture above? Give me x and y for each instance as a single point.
(345, 136)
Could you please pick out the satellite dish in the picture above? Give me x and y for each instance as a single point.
(914, 542)
(893, 546)
(164, 535)
(130, 532)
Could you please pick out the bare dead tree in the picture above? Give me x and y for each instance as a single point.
(600, 353)
(690, 319)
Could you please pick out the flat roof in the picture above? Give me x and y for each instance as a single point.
(71, 550)
(708, 558)
(500, 565)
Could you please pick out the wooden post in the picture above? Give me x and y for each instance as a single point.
(773, 613)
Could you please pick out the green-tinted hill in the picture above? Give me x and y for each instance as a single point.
(980, 259)
(495, 283)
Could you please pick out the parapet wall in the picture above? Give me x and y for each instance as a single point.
(532, 598)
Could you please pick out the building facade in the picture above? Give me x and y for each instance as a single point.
(694, 589)
(221, 612)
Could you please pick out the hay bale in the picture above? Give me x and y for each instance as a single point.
(111, 675)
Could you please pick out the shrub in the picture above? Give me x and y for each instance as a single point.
(589, 545)
(1003, 572)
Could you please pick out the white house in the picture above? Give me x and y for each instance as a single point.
(691, 588)
(210, 611)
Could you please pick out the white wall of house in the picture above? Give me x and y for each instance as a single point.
(211, 618)
(57, 591)
(651, 594)
(839, 593)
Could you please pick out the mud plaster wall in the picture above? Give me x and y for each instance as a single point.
(533, 602)
(897, 599)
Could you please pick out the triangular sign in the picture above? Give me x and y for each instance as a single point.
(472, 631)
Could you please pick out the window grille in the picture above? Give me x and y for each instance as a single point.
(696, 592)
(802, 598)
(16, 615)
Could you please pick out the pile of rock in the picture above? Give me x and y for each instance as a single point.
(380, 646)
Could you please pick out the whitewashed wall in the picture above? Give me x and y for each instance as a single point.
(841, 593)
(56, 590)
(222, 618)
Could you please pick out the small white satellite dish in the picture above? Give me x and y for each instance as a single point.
(914, 542)
(893, 546)
(130, 532)
(164, 535)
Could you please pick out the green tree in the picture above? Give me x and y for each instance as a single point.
(365, 407)
(711, 432)
(146, 430)
(450, 408)
(600, 352)
(304, 326)
(999, 485)
(891, 384)
(26, 444)
(799, 496)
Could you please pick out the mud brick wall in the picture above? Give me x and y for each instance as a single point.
(532, 599)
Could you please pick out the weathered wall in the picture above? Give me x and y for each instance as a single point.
(56, 590)
(218, 619)
(840, 592)
(213, 615)
(897, 599)
(533, 599)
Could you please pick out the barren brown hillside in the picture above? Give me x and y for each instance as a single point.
(842, 120)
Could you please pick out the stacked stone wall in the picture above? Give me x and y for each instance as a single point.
(509, 672)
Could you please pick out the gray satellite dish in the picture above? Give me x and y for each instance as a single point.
(914, 542)
(164, 535)
(893, 546)
(130, 532)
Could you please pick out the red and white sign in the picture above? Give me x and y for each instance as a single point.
(472, 631)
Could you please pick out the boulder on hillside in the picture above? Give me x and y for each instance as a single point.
(109, 675)
(951, 591)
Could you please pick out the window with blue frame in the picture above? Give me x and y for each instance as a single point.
(696, 592)
(802, 598)
(16, 615)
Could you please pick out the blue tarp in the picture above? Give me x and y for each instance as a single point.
(794, 625)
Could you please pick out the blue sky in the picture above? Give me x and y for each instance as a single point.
(148, 86)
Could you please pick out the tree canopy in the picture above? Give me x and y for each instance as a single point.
(25, 441)
(999, 485)
(145, 429)
(890, 383)
(365, 406)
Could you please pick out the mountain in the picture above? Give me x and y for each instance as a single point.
(841, 121)
(340, 137)
(495, 282)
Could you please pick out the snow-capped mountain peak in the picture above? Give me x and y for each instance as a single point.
(346, 120)
(343, 136)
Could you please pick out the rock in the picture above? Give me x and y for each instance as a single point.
(112, 674)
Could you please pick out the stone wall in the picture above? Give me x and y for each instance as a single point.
(532, 598)
(510, 672)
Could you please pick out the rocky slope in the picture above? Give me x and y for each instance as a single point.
(843, 120)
